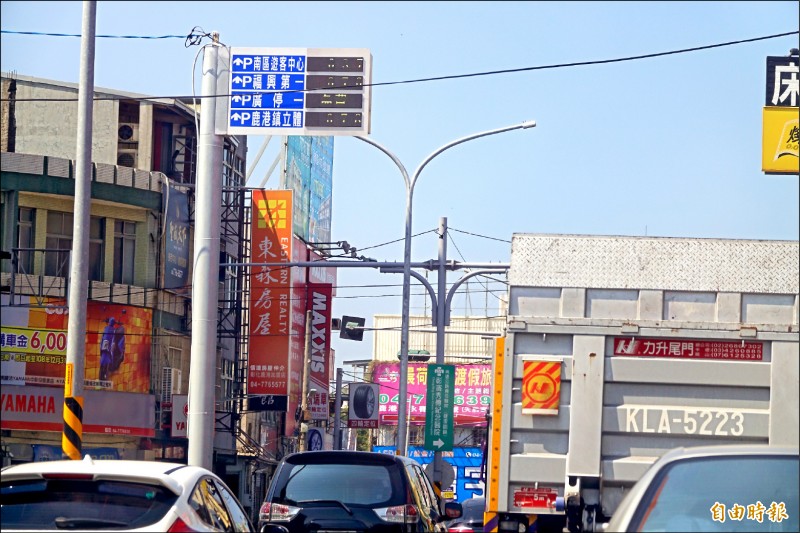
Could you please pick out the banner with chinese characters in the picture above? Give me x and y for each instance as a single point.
(33, 344)
(319, 303)
(689, 349)
(471, 401)
(177, 232)
(270, 293)
(466, 463)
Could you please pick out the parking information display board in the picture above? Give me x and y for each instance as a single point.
(439, 413)
(299, 91)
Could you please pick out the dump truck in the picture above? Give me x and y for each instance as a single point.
(618, 349)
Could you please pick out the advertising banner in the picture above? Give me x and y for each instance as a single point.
(180, 415)
(779, 140)
(296, 338)
(34, 408)
(361, 406)
(176, 238)
(33, 345)
(465, 461)
(270, 293)
(471, 400)
(782, 75)
(319, 303)
(309, 174)
(44, 452)
(688, 349)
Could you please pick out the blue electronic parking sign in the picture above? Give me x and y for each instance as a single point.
(299, 91)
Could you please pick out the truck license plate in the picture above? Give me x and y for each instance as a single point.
(541, 498)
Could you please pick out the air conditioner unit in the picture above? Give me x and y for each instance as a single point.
(127, 157)
(128, 132)
(170, 383)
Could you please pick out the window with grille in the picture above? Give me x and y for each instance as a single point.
(59, 244)
(26, 239)
(124, 251)
(227, 375)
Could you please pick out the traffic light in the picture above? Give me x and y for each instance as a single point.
(417, 356)
(352, 328)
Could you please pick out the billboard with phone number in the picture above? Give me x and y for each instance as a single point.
(33, 345)
(472, 393)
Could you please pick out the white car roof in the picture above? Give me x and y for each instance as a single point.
(174, 476)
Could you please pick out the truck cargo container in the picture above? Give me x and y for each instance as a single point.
(618, 349)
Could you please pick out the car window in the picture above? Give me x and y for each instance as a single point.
(426, 493)
(722, 494)
(82, 504)
(208, 503)
(365, 484)
(240, 521)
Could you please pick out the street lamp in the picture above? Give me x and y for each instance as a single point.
(404, 317)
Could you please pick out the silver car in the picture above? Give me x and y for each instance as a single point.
(715, 488)
(116, 495)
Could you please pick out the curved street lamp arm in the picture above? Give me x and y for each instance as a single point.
(524, 125)
(393, 157)
(456, 285)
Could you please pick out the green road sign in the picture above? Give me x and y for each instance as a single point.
(439, 408)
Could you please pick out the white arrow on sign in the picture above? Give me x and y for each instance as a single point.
(438, 443)
(439, 370)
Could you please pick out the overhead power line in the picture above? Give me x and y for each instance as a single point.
(434, 78)
(44, 34)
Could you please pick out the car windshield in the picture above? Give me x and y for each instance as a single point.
(76, 504)
(472, 510)
(359, 484)
(750, 493)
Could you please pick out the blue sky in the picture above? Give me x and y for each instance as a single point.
(666, 146)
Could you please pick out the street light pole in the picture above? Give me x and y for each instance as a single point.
(404, 316)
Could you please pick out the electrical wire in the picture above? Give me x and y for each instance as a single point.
(45, 34)
(454, 76)
(478, 235)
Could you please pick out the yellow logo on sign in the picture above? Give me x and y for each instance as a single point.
(779, 140)
(541, 387)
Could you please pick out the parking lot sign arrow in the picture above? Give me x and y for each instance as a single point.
(439, 409)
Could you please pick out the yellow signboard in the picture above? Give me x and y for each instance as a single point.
(779, 140)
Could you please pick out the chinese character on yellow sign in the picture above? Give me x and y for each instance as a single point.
(541, 386)
(779, 140)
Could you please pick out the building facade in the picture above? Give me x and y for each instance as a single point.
(144, 154)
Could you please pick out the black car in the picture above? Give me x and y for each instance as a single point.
(354, 492)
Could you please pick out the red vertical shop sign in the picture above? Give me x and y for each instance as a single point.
(319, 303)
(270, 293)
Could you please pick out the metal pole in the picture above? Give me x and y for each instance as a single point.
(304, 392)
(337, 413)
(441, 317)
(201, 415)
(404, 318)
(74, 375)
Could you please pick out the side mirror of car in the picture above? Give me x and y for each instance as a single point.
(452, 510)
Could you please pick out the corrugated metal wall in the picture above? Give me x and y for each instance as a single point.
(386, 337)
